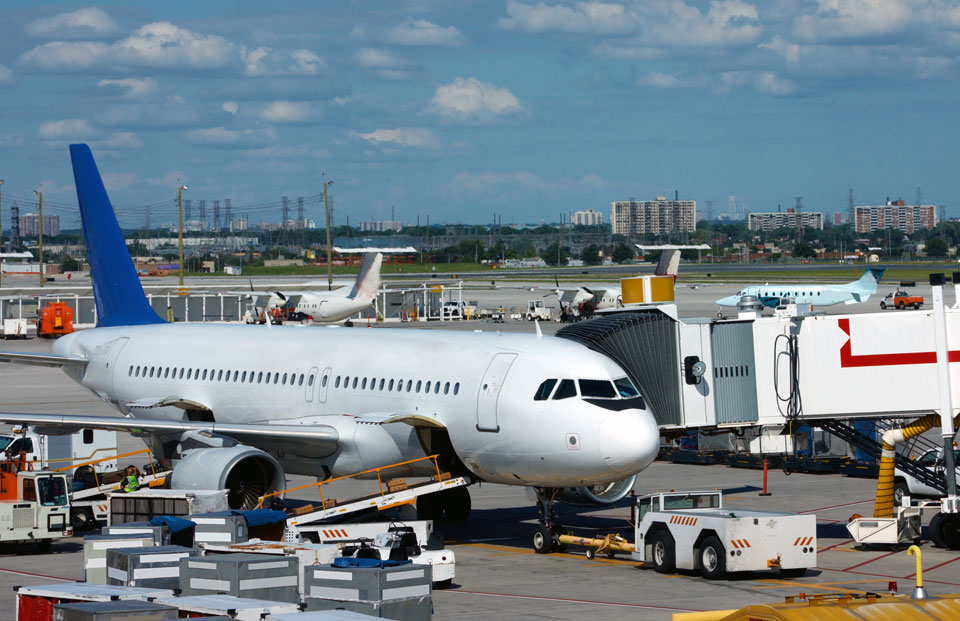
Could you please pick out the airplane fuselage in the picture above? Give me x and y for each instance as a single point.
(816, 295)
(481, 387)
(333, 305)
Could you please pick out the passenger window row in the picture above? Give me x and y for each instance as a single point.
(221, 375)
(395, 385)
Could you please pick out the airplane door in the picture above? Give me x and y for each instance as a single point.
(490, 391)
(312, 377)
(110, 369)
(322, 389)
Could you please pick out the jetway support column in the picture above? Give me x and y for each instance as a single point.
(947, 429)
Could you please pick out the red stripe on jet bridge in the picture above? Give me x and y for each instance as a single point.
(849, 359)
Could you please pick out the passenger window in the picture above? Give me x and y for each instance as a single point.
(390, 385)
(409, 385)
(373, 383)
(284, 382)
(354, 383)
(363, 384)
(166, 372)
(220, 375)
(300, 382)
(204, 375)
(243, 378)
(436, 388)
(276, 377)
(446, 388)
(189, 373)
(382, 382)
(323, 382)
(310, 380)
(181, 373)
(427, 389)
(543, 392)
(597, 389)
(130, 372)
(235, 374)
(566, 389)
(337, 383)
(260, 377)
(456, 388)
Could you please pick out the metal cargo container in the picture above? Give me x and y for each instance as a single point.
(219, 527)
(157, 567)
(399, 592)
(241, 608)
(145, 504)
(95, 553)
(114, 611)
(160, 532)
(257, 576)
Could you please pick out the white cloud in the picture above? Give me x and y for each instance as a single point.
(173, 179)
(853, 19)
(404, 136)
(89, 23)
(422, 32)
(583, 17)
(789, 51)
(667, 80)
(266, 61)
(162, 44)
(377, 58)
(495, 182)
(131, 88)
(223, 137)
(286, 112)
(67, 129)
(593, 180)
(66, 56)
(230, 106)
(763, 81)
(470, 99)
(6, 76)
(119, 181)
(122, 140)
(624, 51)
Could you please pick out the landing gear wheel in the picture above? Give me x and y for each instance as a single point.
(900, 490)
(543, 540)
(428, 508)
(793, 572)
(713, 560)
(945, 530)
(662, 553)
(590, 554)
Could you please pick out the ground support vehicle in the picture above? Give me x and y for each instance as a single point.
(400, 543)
(906, 484)
(14, 328)
(901, 299)
(458, 309)
(895, 532)
(536, 309)
(34, 505)
(692, 530)
(56, 319)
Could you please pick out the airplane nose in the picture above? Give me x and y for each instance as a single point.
(731, 300)
(629, 441)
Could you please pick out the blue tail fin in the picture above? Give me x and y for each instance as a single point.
(868, 282)
(116, 287)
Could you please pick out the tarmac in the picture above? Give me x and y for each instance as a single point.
(499, 575)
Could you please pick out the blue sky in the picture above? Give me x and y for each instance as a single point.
(464, 109)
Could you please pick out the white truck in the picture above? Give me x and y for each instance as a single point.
(536, 309)
(459, 309)
(692, 530)
(60, 451)
(907, 485)
(34, 506)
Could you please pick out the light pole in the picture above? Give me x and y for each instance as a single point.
(326, 208)
(180, 227)
(1, 234)
(40, 231)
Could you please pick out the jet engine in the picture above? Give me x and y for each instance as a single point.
(247, 473)
(603, 494)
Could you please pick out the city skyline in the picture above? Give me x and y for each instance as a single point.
(460, 111)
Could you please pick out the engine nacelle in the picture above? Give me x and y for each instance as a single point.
(247, 473)
(605, 494)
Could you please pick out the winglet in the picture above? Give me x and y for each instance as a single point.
(116, 288)
(536, 322)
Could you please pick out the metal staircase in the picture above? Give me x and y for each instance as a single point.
(870, 445)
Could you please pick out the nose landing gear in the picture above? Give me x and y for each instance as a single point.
(547, 537)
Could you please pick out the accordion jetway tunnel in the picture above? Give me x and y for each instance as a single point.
(794, 367)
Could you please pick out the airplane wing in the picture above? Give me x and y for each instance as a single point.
(43, 360)
(307, 440)
(414, 420)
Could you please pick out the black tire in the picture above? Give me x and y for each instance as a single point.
(81, 519)
(543, 540)
(662, 552)
(428, 508)
(590, 553)
(900, 305)
(442, 585)
(945, 530)
(793, 572)
(900, 490)
(917, 306)
(883, 306)
(456, 504)
(43, 546)
(713, 559)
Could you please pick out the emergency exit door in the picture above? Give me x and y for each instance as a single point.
(490, 388)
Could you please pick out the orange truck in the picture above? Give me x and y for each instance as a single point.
(56, 319)
(901, 299)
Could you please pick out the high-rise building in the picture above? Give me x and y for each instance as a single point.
(837, 219)
(657, 216)
(30, 225)
(379, 226)
(587, 217)
(770, 221)
(894, 214)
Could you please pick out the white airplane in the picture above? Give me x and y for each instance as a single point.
(235, 407)
(815, 295)
(327, 306)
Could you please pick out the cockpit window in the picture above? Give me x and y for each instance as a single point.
(543, 393)
(567, 389)
(625, 387)
(597, 389)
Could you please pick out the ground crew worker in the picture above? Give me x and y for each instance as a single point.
(131, 480)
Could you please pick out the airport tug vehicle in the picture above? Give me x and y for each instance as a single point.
(692, 530)
(34, 505)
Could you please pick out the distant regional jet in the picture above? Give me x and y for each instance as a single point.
(816, 295)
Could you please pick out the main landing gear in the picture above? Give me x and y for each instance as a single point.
(546, 539)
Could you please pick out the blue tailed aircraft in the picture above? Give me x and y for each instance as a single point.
(816, 295)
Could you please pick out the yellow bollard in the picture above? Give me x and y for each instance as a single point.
(918, 592)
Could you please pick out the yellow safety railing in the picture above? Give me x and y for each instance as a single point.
(319, 484)
(91, 462)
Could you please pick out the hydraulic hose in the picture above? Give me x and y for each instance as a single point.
(883, 506)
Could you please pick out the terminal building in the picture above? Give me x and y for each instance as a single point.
(380, 226)
(657, 216)
(778, 220)
(588, 217)
(896, 215)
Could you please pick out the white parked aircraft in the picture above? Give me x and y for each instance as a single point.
(815, 295)
(235, 407)
(327, 306)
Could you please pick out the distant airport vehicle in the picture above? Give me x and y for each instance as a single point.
(770, 295)
(34, 505)
(536, 309)
(236, 407)
(901, 299)
(459, 309)
(325, 306)
(907, 485)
